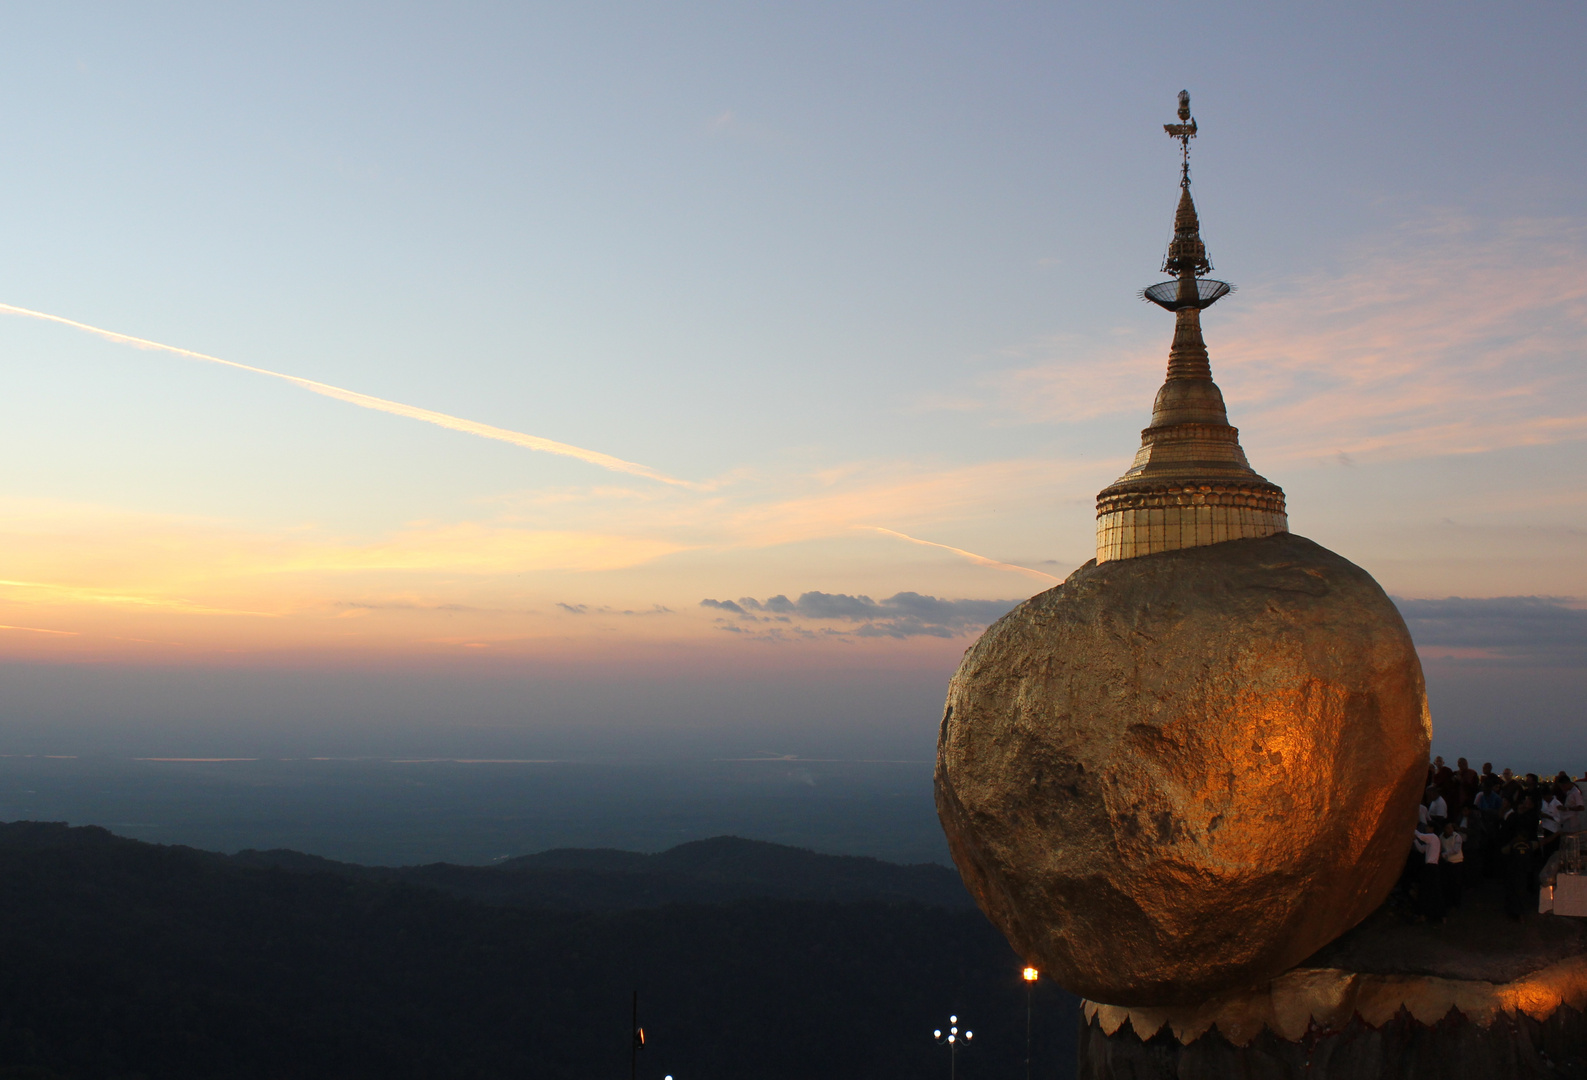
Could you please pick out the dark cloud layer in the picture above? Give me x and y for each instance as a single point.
(585, 609)
(904, 615)
(1539, 630)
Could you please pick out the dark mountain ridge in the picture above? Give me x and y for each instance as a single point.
(714, 871)
(120, 959)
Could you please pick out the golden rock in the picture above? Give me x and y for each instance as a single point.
(1185, 772)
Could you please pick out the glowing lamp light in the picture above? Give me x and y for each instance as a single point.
(1030, 974)
(951, 1038)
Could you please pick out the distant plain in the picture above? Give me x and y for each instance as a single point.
(406, 812)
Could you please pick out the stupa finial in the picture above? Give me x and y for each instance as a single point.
(1187, 253)
(1184, 131)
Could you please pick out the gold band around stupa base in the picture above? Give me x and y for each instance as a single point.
(1167, 517)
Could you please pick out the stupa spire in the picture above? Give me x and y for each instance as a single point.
(1190, 483)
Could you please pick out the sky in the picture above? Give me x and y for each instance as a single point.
(700, 379)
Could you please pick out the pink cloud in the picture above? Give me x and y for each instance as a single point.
(1446, 337)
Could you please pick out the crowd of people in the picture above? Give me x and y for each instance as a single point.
(1475, 825)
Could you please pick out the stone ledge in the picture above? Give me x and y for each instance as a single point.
(1479, 963)
(1303, 1000)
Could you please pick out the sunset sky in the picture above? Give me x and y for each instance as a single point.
(556, 334)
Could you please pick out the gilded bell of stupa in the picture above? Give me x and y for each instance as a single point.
(1190, 483)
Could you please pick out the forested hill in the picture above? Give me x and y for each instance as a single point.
(712, 871)
(120, 959)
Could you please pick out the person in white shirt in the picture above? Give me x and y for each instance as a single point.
(1553, 812)
(1452, 863)
(1437, 809)
(1428, 885)
(1575, 804)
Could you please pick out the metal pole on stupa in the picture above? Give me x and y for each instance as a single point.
(1184, 781)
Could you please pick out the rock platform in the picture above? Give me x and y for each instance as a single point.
(1480, 995)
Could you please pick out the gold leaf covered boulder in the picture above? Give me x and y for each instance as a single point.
(1188, 771)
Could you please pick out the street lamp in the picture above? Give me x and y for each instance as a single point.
(636, 1042)
(1030, 975)
(952, 1041)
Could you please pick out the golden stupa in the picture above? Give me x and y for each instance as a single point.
(1190, 483)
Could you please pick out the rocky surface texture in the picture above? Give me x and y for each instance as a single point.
(1185, 772)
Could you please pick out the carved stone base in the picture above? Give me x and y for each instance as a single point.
(1481, 994)
(1515, 1046)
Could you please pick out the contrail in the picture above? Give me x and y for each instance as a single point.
(980, 560)
(395, 408)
